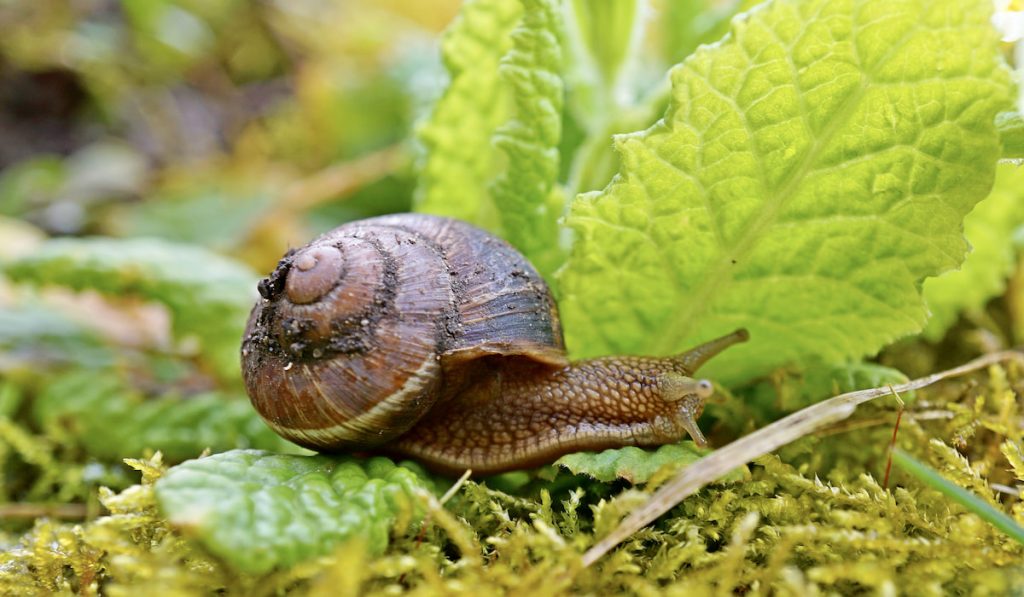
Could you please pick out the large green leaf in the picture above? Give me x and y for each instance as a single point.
(460, 160)
(209, 296)
(260, 511)
(812, 169)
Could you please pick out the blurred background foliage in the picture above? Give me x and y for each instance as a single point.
(193, 120)
(243, 126)
(237, 127)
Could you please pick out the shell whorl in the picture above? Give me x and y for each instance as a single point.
(359, 333)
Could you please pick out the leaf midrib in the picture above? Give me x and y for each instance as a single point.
(720, 276)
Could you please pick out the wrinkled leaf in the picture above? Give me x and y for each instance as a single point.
(634, 464)
(460, 161)
(525, 193)
(260, 511)
(811, 171)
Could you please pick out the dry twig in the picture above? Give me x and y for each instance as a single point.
(334, 182)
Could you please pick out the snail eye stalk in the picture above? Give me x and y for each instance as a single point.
(694, 359)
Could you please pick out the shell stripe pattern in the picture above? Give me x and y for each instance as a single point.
(363, 424)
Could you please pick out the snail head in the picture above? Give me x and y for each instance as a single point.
(692, 394)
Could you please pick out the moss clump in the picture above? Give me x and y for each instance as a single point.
(801, 522)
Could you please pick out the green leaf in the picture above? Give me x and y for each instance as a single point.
(1011, 130)
(209, 296)
(812, 169)
(30, 183)
(608, 31)
(525, 193)
(259, 511)
(690, 24)
(33, 337)
(460, 160)
(820, 381)
(208, 215)
(990, 228)
(635, 464)
(112, 421)
(10, 399)
(171, 37)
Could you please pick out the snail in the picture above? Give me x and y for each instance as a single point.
(426, 337)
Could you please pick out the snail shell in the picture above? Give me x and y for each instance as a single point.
(363, 330)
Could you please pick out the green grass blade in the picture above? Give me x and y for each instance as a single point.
(965, 498)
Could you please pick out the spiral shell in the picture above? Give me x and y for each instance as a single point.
(362, 331)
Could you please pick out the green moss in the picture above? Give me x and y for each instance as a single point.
(798, 523)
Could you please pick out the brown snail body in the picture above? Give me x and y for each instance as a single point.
(427, 337)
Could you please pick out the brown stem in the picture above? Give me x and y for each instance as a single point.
(342, 179)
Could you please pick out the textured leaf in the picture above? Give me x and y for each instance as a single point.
(810, 172)
(460, 160)
(990, 228)
(260, 511)
(525, 192)
(634, 464)
(112, 421)
(208, 295)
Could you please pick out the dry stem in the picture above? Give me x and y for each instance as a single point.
(766, 440)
